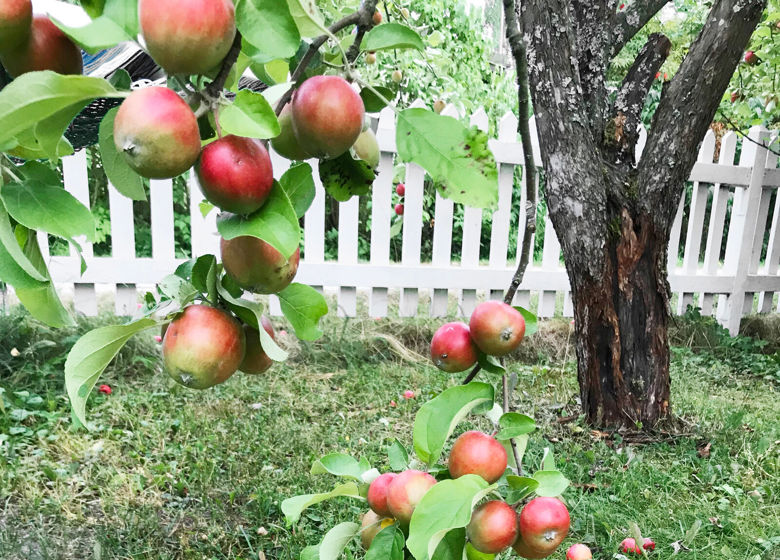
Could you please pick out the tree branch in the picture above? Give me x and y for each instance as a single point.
(592, 47)
(629, 21)
(630, 100)
(689, 105)
(214, 89)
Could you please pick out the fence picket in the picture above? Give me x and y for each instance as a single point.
(772, 250)
(204, 237)
(499, 234)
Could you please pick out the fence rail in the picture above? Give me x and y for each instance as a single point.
(741, 195)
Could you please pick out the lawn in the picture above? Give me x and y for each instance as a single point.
(170, 473)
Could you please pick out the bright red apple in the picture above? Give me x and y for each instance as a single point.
(327, 116)
(235, 174)
(496, 328)
(493, 527)
(399, 209)
(405, 491)
(578, 552)
(544, 523)
(45, 48)
(256, 266)
(187, 36)
(648, 543)
(377, 494)
(157, 133)
(286, 144)
(400, 189)
(15, 22)
(203, 347)
(477, 453)
(628, 545)
(751, 58)
(255, 359)
(452, 349)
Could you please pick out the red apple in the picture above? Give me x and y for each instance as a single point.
(44, 48)
(735, 96)
(405, 491)
(751, 58)
(157, 133)
(203, 347)
(15, 22)
(452, 349)
(370, 526)
(399, 209)
(648, 543)
(377, 494)
(524, 551)
(628, 545)
(496, 328)
(286, 144)
(187, 36)
(377, 18)
(493, 527)
(256, 360)
(327, 116)
(578, 552)
(544, 523)
(400, 189)
(256, 266)
(477, 453)
(235, 174)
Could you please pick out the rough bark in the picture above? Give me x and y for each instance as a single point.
(629, 21)
(613, 218)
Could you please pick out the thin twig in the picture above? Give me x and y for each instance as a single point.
(505, 389)
(214, 89)
(736, 129)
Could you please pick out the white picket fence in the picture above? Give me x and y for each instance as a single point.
(745, 281)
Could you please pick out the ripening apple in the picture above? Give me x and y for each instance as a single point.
(751, 58)
(15, 22)
(257, 266)
(544, 523)
(405, 491)
(399, 209)
(493, 527)
(371, 58)
(370, 526)
(477, 453)
(452, 349)
(157, 133)
(286, 144)
(327, 116)
(44, 48)
(377, 17)
(187, 36)
(235, 174)
(377, 494)
(439, 105)
(203, 347)
(497, 328)
(367, 148)
(255, 359)
(578, 552)
(400, 189)
(397, 76)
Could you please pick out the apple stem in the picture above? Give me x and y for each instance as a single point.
(216, 121)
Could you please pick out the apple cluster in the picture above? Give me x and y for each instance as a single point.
(32, 42)
(535, 531)
(495, 328)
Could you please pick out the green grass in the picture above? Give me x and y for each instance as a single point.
(170, 473)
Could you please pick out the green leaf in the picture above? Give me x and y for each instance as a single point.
(311, 552)
(437, 418)
(304, 307)
(451, 546)
(204, 276)
(29, 147)
(520, 487)
(125, 14)
(101, 33)
(249, 115)
(268, 26)
(372, 102)
(392, 36)
(514, 424)
(398, 456)
(551, 483)
(124, 179)
(36, 96)
(388, 544)
(456, 157)
(531, 320)
(521, 443)
(293, 507)
(90, 356)
(336, 539)
(307, 17)
(48, 208)
(120, 79)
(474, 554)
(48, 132)
(175, 288)
(490, 364)
(338, 464)
(345, 177)
(276, 223)
(15, 268)
(447, 505)
(298, 183)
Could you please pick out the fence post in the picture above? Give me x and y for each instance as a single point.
(381, 207)
(499, 234)
(773, 247)
(739, 300)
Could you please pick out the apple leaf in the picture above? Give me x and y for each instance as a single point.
(48, 132)
(490, 363)
(249, 115)
(437, 418)
(15, 268)
(520, 487)
(338, 464)
(304, 307)
(269, 27)
(457, 158)
(90, 356)
(472, 554)
(398, 456)
(307, 17)
(447, 505)
(298, 183)
(392, 36)
(451, 547)
(388, 544)
(336, 539)
(344, 177)
(551, 483)
(531, 320)
(275, 223)
(372, 102)
(293, 507)
(514, 424)
(121, 175)
(101, 33)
